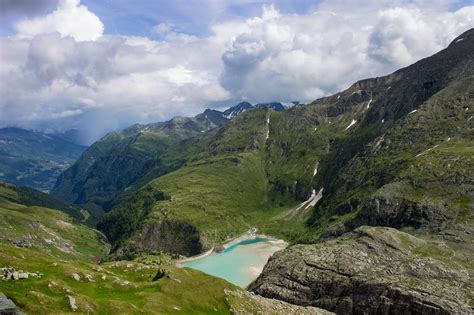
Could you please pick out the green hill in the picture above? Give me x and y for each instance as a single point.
(51, 264)
(120, 160)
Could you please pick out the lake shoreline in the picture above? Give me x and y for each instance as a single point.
(241, 259)
(249, 235)
(195, 257)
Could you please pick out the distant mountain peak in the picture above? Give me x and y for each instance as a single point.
(276, 106)
(237, 110)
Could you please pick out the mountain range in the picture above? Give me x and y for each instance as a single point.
(35, 159)
(373, 187)
(136, 155)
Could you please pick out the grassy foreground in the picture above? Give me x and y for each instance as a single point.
(58, 260)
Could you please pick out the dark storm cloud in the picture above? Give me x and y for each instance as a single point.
(61, 71)
(25, 7)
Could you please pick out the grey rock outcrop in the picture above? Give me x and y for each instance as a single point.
(10, 273)
(398, 212)
(72, 303)
(21, 243)
(167, 235)
(7, 307)
(373, 270)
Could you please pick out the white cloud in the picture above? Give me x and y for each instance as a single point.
(163, 28)
(69, 19)
(62, 83)
(65, 75)
(302, 57)
(403, 35)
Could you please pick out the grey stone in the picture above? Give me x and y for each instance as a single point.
(7, 307)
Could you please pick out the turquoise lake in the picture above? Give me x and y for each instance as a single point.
(241, 263)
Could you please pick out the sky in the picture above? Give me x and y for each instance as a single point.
(99, 66)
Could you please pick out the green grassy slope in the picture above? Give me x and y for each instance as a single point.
(221, 184)
(248, 173)
(61, 258)
(120, 161)
(31, 197)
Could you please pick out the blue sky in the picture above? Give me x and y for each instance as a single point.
(103, 65)
(191, 17)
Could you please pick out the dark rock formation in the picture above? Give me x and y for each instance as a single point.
(160, 274)
(397, 212)
(373, 270)
(169, 236)
(21, 243)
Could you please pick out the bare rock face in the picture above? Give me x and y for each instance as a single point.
(170, 236)
(393, 212)
(373, 270)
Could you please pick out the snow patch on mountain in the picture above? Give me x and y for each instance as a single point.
(351, 124)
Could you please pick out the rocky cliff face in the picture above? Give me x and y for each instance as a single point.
(169, 236)
(373, 270)
(397, 212)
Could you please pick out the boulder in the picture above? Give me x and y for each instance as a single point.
(23, 275)
(7, 307)
(72, 303)
(21, 243)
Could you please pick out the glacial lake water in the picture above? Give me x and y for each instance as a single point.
(241, 263)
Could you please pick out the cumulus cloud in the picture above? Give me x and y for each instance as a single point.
(58, 81)
(307, 56)
(69, 19)
(61, 71)
(402, 35)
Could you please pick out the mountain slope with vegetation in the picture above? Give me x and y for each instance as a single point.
(388, 152)
(124, 161)
(418, 119)
(35, 159)
(50, 264)
(407, 163)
